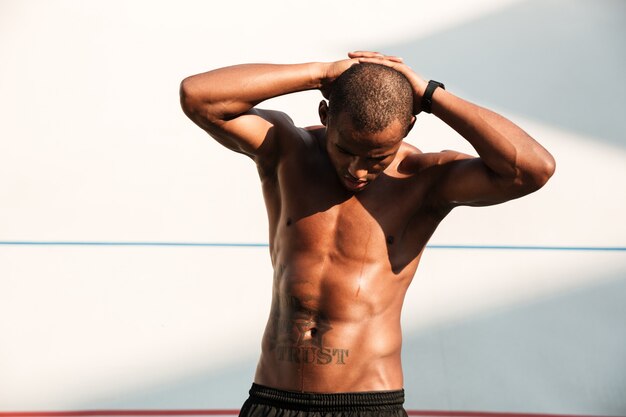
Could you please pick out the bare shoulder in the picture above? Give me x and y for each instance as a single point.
(314, 136)
(301, 141)
(282, 139)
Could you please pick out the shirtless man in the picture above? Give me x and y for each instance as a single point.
(351, 207)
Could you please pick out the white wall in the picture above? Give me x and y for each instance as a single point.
(95, 149)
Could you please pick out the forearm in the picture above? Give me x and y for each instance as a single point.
(508, 151)
(227, 92)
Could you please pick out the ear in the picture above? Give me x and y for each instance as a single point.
(410, 126)
(322, 109)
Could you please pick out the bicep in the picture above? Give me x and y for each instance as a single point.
(253, 133)
(466, 180)
(247, 133)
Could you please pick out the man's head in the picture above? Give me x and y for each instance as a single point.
(370, 111)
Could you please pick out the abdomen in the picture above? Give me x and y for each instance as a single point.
(332, 333)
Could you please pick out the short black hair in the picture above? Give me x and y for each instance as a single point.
(373, 96)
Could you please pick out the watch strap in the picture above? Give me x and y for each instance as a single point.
(427, 98)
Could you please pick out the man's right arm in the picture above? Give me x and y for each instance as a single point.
(222, 103)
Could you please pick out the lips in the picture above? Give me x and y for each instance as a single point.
(354, 184)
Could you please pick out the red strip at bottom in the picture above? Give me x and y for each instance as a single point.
(232, 412)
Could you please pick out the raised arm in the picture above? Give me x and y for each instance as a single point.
(222, 102)
(510, 164)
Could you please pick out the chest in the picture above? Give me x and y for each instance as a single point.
(315, 214)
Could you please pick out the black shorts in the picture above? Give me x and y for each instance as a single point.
(271, 402)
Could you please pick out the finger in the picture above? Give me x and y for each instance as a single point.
(381, 61)
(385, 60)
(365, 54)
(394, 58)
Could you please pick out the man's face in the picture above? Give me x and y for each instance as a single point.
(360, 157)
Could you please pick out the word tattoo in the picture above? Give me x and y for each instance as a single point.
(297, 335)
(312, 355)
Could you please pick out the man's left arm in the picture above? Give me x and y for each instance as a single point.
(510, 164)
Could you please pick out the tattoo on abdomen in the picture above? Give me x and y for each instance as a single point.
(297, 335)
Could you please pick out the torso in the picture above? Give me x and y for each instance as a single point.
(342, 265)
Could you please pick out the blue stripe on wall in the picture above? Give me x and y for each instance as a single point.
(255, 245)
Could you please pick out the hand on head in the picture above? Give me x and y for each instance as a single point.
(373, 55)
(335, 69)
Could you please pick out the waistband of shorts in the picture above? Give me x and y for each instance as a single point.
(374, 400)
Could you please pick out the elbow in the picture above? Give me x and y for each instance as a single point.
(549, 167)
(196, 101)
(187, 100)
(540, 171)
(546, 165)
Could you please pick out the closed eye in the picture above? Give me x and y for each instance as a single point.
(379, 158)
(342, 150)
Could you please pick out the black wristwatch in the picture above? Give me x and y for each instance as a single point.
(427, 98)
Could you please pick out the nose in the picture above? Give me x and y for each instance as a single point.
(358, 169)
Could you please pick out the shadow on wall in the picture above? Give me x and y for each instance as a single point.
(561, 62)
(559, 355)
(223, 389)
